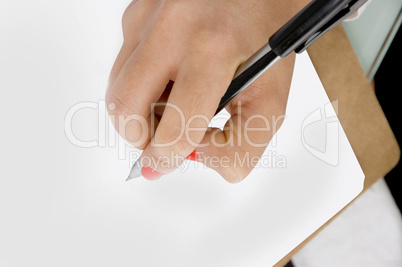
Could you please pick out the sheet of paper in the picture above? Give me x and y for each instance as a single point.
(192, 217)
(66, 205)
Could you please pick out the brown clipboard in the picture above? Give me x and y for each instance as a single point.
(359, 111)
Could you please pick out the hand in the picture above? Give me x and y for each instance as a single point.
(198, 44)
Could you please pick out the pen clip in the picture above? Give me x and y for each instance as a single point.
(309, 24)
(350, 9)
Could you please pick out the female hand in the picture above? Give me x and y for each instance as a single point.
(198, 44)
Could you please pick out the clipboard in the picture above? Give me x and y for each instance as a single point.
(359, 111)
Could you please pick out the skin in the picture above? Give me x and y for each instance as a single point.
(198, 44)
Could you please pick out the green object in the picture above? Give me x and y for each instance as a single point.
(372, 33)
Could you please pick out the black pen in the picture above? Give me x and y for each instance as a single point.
(297, 35)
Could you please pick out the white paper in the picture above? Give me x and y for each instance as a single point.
(193, 217)
(64, 205)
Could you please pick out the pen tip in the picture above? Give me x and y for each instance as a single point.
(135, 171)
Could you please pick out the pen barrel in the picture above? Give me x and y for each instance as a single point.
(304, 25)
(248, 72)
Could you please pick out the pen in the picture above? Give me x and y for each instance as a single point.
(317, 18)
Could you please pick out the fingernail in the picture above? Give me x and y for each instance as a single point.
(150, 173)
(193, 156)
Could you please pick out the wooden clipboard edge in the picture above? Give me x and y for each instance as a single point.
(359, 111)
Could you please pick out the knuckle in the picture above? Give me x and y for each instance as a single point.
(130, 125)
(110, 103)
(170, 13)
(127, 14)
(211, 52)
(236, 173)
(126, 17)
(213, 46)
(122, 96)
(131, 21)
(235, 176)
(116, 106)
(173, 138)
(119, 106)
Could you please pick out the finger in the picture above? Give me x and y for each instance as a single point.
(125, 52)
(133, 24)
(140, 83)
(256, 116)
(191, 105)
